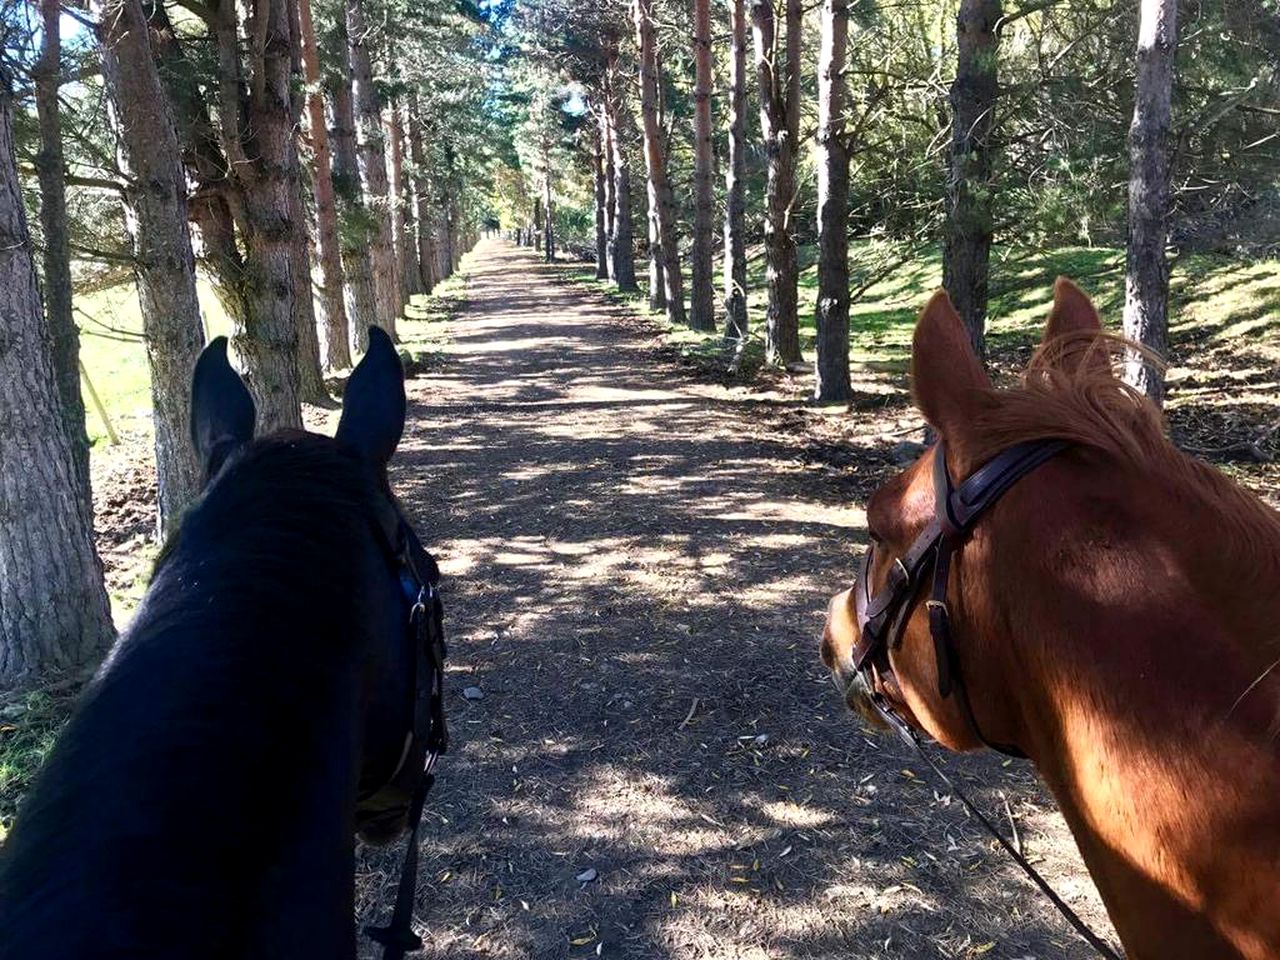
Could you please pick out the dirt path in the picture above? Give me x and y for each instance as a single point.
(637, 566)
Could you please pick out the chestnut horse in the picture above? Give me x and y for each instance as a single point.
(1115, 616)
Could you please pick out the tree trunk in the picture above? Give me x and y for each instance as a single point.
(665, 268)
(702, 314)
(356, 228)
(602, 226)
(1146, 287)
(966, 252)
(735, 182)
(164, 266)
(311, 388)
(831, 368)
(622, 247)
(421, 196)
(548, 216)
(47, 74)
(537, 223)
(257, 137)
(402, 210)
(337, 353)
(54, 615)
(779, 126)
(373, 167)
(215, 203)
(610, 180)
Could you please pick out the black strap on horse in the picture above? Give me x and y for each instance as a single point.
(429, 738)
(882, 618)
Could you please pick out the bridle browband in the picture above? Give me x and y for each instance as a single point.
(883, 617)
(413, 776)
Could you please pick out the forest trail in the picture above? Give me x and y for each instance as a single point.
(637, 566)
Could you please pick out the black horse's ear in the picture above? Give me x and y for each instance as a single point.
(373, 406)
(222, 411)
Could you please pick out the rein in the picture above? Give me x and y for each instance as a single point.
(414, 774)
(883, 617)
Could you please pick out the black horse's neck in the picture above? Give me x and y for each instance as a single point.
(200, 803)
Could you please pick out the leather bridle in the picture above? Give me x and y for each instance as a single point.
(408, 784)
(883, 617)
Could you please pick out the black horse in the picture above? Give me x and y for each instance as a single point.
(203, 799)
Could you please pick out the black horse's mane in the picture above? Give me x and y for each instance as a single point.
(252, 604)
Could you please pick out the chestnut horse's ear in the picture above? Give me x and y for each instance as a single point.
(1075, 320)
(947, 379)
(222, 411)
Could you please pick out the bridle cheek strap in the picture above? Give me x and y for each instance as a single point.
(883, 617)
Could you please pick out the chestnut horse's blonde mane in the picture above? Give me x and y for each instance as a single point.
(1070, 392)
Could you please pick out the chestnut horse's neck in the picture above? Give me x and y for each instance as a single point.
(1147, 695)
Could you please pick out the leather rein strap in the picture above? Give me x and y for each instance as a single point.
(429, 738)
(882, 618)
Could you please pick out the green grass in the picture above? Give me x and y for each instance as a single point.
(1214, 299)
(28, 729)
(115, 359)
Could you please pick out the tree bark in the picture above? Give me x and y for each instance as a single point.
(257, 138)
(421, 196)
(662, 204)
(402, 210)
(47, 74)
(1146, 288)
(610, 202)
(356, 226)
(164, 266)
(702, 314)
(735, 211)
(967, 248)
(337, 352)
(622, 247)
(780, 129)
(373, 167)
(54, 615)
(831, 368)
(548, 213)
(602, 224)
(311, 388)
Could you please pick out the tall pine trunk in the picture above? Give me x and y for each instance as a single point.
(311, 388)
(701, 284)
(1146, 287)
(780, 129)
(831, 368)
(602, 224)
(54, 615)
(164, 266)
(610, 205)
(621, 246)
(662, 203)
(47, 74)
(735, 210)
(255, 113)
(355, 225)
(337, 349)
(421, 196)
(966, 252)
(407, 246)
(373, 167)
(548, 211)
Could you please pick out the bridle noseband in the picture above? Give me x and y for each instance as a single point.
(883, 617)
